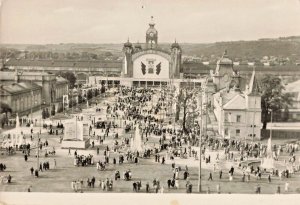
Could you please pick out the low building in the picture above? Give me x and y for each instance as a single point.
(52, 89)
(294, 109)
(21, 97)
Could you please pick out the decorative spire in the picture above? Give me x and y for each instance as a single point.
(253, 85)
(128, 44)
(152, 22)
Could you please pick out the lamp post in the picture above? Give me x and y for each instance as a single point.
(38, 153)
(200, 144)
(271, 112)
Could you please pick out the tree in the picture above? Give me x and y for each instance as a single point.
(5, 108)
(70, 77)
(108, 54)
(53, 110)
(96, 92)
(184, 97)
(285, 116)
(102, 88)
(273, 99)
(89, 94)
(44, 113)
(80, 99)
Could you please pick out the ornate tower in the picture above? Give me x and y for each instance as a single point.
(253, 98)
(253, 106)
(175, 60)
(224, 72)
(151, 35)
(127, 69)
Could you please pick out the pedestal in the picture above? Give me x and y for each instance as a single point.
(75, 144)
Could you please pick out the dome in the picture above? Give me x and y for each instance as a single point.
(175, 45)
(151, 30)
(225, 60)
(128, 44)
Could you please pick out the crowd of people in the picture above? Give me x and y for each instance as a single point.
(164, 143)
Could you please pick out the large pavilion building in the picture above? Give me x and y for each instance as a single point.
(149, 66)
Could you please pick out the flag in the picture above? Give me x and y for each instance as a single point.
(158, 68)
(143, 67)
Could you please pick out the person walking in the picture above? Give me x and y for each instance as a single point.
(210, 176)
(147, 187)
(286, 187)
(248, 177)
(218, 189)
(278, 189)
(31, 170)
(220, 174)
(258, 189)
(54, 163)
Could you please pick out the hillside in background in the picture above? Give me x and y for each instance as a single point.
(248, 49)
(286, 47)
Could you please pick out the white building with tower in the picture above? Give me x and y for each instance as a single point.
(149, 65)
(236, 104)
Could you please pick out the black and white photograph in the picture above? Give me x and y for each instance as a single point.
(148, 97)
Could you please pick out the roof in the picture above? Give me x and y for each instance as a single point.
(226, 95)
(64, 63)
(225, 60)
(293, 87)
(61, 79)
(20, 87)
(253, 85)
(236, 103)
(195, 68)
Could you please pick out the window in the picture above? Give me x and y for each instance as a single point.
(237, 133)
(226, 117)
(238, 118)
(226, 131)
(150, 70)
(150, 66)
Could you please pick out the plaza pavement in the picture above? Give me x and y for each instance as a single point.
(59, 179)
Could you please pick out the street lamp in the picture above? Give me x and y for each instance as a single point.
(271, 112)
(200, 144)
(38, 153)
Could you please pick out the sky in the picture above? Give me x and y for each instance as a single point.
(114, 21)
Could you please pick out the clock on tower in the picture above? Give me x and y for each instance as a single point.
(151, 35)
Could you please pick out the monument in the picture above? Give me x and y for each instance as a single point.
(17, 122)
(136, 143)
(268, 161)
(76, 134)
